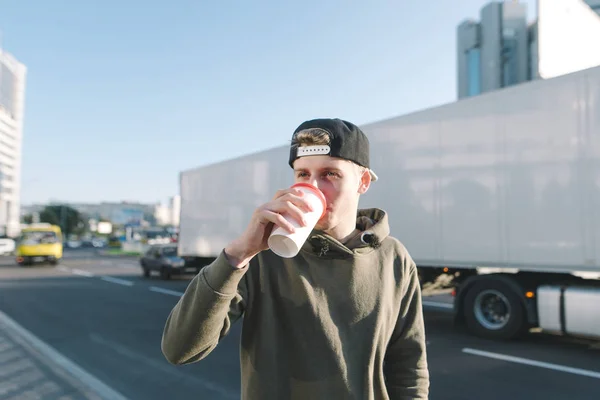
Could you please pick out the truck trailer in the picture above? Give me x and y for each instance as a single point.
(500, 191)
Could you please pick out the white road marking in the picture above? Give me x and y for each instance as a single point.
(534, 363)
(63, 269)
(166, 291)
(438, 304)
(117, 280)
(29, 340)
(82, 272)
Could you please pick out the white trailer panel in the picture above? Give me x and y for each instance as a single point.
(217, 201)
(506, 179)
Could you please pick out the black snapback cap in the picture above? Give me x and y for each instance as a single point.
(347, 141)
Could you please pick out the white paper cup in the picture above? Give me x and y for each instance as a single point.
(286, 244)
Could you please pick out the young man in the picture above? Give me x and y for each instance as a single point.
(342, 319)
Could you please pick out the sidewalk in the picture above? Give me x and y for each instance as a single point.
(30, 369)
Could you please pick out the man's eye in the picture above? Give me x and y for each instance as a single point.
(330, 173)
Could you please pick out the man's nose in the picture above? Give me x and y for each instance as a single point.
(314, 181)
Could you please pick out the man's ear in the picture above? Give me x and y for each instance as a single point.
(365, 181)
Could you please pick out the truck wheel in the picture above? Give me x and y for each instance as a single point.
(494, 311)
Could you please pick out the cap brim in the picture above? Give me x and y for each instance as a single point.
(374, 176)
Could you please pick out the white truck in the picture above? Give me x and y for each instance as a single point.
(501, 191)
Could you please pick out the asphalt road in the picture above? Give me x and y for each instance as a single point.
(103, 315)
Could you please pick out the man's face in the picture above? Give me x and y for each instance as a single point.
(341, 182)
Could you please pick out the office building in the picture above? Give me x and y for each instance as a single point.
(492, 53)
(503, 49)
(12, 101)
(168, 214)
(175, 208)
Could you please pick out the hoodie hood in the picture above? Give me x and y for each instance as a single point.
(372, 228)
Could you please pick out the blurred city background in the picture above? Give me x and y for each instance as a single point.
(97, 129)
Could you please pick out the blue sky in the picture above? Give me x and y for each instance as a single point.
(123, 95)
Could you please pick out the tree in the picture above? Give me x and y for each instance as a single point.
(68, 218)
(28, 219)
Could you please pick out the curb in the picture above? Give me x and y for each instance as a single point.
(60, 364)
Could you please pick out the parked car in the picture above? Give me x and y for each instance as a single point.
(99, 242)
(164, 259)
(114, 242)
(7, 246)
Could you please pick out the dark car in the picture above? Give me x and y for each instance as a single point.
(164, 259)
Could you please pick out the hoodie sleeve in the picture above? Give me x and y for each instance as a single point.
(213, 301)
(405, 367)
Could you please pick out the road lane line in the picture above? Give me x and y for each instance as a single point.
(438, 304)
(82, 272)
(28, 339)
(165, 291)
(534, 363)
(63, 269)
(117, 281)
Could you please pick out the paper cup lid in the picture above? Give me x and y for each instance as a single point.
(319, 194)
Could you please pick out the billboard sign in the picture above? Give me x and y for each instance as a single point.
(567, 37)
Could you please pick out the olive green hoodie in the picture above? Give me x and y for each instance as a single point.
(335, 322)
